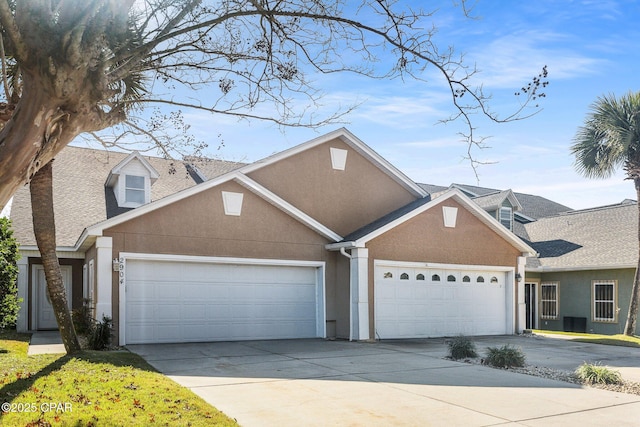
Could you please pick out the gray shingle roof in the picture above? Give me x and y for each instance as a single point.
(390, 217)
(532, 206)
(85, 171)
(603, 237)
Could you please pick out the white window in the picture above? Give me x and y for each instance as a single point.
(134, 189)
(549, 300)
(506, 217)
(604, 301)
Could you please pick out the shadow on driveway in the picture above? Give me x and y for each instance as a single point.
(403, 382)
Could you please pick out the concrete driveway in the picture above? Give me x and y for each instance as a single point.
(407, 382)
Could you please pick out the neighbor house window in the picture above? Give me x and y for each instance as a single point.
(604, 301)
(549, 300)
(134, 189)
(506, 217)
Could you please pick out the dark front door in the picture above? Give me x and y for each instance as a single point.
(531, 304)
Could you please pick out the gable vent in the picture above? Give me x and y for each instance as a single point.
(338, 158)
(232, 203)
(450, 215)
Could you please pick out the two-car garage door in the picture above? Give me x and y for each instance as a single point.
(179, 301)
(420, 302)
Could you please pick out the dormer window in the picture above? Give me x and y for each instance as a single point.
(506, 217)
(131, 181)
(134, 189)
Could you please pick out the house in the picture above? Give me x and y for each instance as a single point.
(582, 277)
(326, 239)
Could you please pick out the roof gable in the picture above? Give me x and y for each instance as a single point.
(97, 229)
(354, 142)
(494, 201)
(133, 157)
(370, 232)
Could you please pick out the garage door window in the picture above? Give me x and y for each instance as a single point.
(466, 279)
(604, 301)
(480, 279)
(549, 300)
(404, 276)
(451, 278)
(435, 278)
(420, 276)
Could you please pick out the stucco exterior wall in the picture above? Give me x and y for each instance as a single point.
(333, 197)
(198, 226)
(575, 298)
(425, 239)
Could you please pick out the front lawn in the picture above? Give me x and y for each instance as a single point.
(92, 389)
(618, 339)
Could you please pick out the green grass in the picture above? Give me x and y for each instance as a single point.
(618, 339)
(98, 389)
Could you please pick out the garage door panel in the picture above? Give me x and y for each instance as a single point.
(213, 302)
(429, 308)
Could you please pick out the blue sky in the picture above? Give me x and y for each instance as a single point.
(590, 48)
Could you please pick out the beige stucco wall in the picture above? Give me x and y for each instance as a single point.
(425, 239)
(345, 200)
(198, 226)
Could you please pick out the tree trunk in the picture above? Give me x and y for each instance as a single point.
(45, 230)
(632, 316)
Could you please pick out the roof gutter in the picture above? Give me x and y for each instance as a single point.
(581, 268)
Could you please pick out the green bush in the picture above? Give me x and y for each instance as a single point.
(9, 255)
(99, 337)
(505, 357)
(593, 373)
(461, 347)
(82, 319)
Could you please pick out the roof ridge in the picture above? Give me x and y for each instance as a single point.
(594, 209)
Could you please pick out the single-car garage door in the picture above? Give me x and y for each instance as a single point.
(177, 301)
(419, 302)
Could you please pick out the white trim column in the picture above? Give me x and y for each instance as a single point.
(104, 274)
(521, 305)
(23, 285)
(359, 287)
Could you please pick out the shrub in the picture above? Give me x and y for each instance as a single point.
(99, 337)
(82, 320)
(9, 255)
(461, 347)
(593, 373)
(505, 357)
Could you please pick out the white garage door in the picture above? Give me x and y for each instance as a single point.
(429, 302)
(168, 301)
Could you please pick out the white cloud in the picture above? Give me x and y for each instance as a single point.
(512, 60)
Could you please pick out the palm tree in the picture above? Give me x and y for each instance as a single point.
(609, 139)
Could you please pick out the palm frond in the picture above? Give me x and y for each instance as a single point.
(610, 137)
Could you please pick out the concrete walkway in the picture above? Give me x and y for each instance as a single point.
(46, 342)
(408, 382)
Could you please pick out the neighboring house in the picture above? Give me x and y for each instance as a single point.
(582, 279)
(326, 239)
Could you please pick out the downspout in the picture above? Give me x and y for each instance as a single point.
(343, 251)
